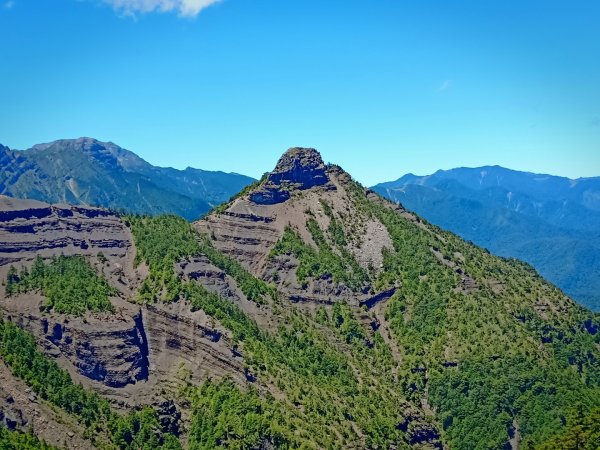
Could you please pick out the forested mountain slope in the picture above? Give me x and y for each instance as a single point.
(308, 312)
(551, 222)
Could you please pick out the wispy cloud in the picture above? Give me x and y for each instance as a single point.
(446, 84)
(9, 4)
(185, 8)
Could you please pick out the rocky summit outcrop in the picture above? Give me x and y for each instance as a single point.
(300, 187)
(298, 168)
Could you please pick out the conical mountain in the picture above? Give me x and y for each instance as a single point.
(484, 344)
(303, 201)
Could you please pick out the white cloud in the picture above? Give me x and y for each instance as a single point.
(185, 8)
(447, 84)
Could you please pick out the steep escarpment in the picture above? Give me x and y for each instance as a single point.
(307, 198)
(29, 228)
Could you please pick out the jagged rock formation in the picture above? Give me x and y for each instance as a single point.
(298, 168)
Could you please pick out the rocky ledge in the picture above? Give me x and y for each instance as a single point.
(298, 169)
(29, 228)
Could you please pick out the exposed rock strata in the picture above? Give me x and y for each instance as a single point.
(30, 228)
(143, 354)
(298, 168)
(248, 229)
(128, 354)
(108, 348)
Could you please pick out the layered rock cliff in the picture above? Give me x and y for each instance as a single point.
(298, 168)
(29, 228)
(300, 187)
(127, 354)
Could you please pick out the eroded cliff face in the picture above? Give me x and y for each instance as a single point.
(137, 355)
(126, 354)
(188, 346)
(298, 168)
(109, 348)
(300, 187)
(29, 228)
(129, 355)
(144, 354)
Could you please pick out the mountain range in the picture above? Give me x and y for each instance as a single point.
(306, 312)
(550, 222)
(85, 171)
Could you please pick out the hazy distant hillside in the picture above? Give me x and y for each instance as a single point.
(86, 171)
(548, 221)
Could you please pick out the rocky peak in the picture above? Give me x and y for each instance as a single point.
(298, 169)
(301, 166)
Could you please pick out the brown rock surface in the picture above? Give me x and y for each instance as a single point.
(298, 168)
(130, 355)
(247, 230)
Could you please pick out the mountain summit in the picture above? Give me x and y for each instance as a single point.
(297, 200)
(86, 171)
(298, 168)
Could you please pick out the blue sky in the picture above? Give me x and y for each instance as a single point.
(382, 87)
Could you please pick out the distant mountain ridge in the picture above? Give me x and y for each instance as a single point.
(549, 221)
(87, 171)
